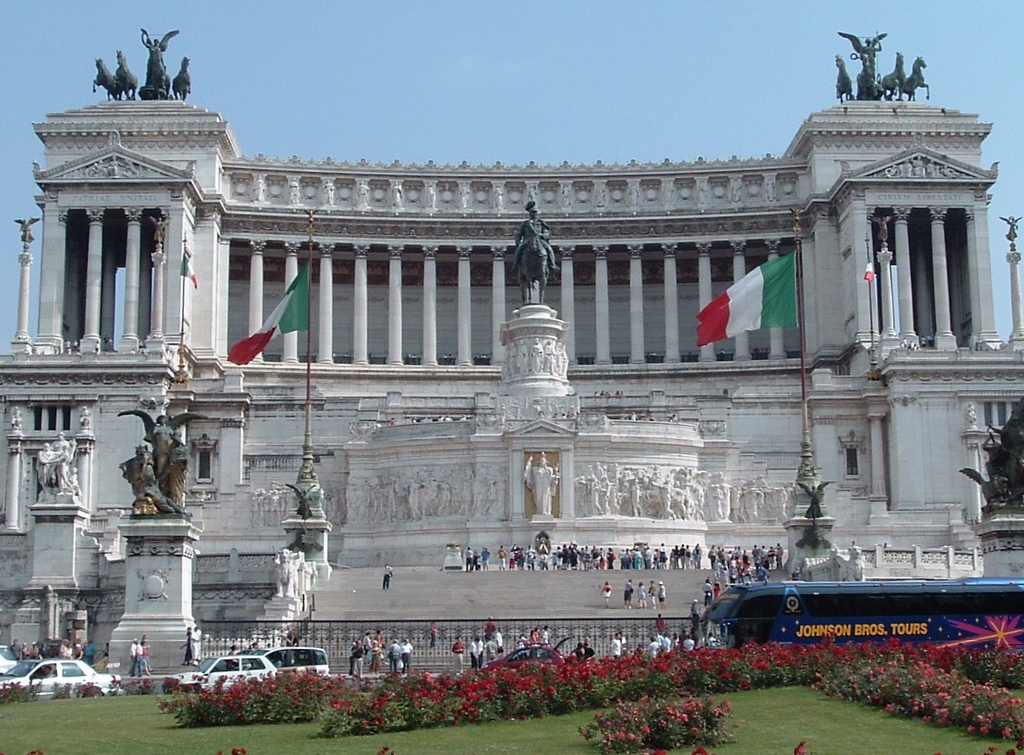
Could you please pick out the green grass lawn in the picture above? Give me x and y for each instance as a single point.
(768, 722)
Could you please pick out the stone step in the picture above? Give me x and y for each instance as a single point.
(418, 592)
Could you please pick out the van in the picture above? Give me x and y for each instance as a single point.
(313, 660)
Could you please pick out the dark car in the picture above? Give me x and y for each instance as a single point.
(528, 655)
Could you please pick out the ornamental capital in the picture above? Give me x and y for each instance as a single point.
(257, 246)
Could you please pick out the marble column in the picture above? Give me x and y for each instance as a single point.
(83, 464)
(944, 338)
(326, 312)
(707, 351)
(395, 305)
(861, 230)
(777, 349)
(155, 341)
(739, 270)
(888, 324)
(568, 313)
(671, 305)
(93, 284)
(360, 354)
(130, 330)
(1016, 305)
(256, 289)
(465, 356)
(49, 332)
(602, 320)
(498, 313)
(22, 342)
(878, 486)
(291, 270)
(905, 284)
(636, 304)
(983, 320)
(430, 305)
(14, 453)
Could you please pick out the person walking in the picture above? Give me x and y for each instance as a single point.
(476, 654)
(189, 660)
(406, 656)
(145, 668)
(388, 572)
(627, 594)
(136, 655)
(606, 593)
(662, 596)
(641, 594)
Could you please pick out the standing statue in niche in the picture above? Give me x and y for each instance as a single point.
(158, 83)
(55, 467)
(168, 461)
(534, 258)
(542, 480)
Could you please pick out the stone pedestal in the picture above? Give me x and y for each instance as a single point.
(536, 363)
(59, 521)
(158, 589)
(807, 538)
(310, 536)
(1002, 542)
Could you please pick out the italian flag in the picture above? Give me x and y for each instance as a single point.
(187, 271)
(291, 314)
(764, 298)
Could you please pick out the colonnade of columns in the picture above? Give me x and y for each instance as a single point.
(428, 258)
(913, 291)
(140, 294)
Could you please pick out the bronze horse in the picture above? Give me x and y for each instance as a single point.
(104, 78)
(915, 80)
(127, 82)
(534, 259)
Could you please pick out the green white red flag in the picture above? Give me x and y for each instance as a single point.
(764, 298)
(291, 314)
(187, 271)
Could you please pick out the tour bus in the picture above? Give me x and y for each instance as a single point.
(979, 613)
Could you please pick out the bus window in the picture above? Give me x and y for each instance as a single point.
(760, 607)
(990, 603)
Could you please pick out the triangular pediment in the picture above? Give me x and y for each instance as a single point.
(921, 164)
(541, 428)
(114, 163)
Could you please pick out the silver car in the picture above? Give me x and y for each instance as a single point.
(44, 676)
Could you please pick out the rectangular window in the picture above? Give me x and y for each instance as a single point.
(852, 463)
(37, 418)
(205, 471)
(65, 418)
(51, 418)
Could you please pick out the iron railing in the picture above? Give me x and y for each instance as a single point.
(433, 650)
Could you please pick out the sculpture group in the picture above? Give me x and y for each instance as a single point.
(534, 260)
(158, 474)
(871, 86)
(124, 85)
(1002, 486)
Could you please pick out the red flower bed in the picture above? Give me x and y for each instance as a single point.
(659, 725)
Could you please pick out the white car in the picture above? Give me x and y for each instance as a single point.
(230, 668)
(47, 674)
(7, 658)
(313, 660)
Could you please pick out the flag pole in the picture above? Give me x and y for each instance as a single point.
(307, 443)
(869, 280)
(181, 376)
(806, 471)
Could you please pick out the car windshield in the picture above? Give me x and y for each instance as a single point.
(20, 669)
(206, 665)
(7, 654)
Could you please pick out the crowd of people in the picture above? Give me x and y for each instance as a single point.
(367, 655)
(736, 564)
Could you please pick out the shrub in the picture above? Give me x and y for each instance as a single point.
(659, 724)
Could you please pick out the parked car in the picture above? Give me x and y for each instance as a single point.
(313, 660)
(7, 658)
(528, 655)
(45, 675)
(230, 668)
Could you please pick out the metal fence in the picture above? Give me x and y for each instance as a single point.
(433, 649)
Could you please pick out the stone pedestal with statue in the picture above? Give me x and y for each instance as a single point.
(158, 590)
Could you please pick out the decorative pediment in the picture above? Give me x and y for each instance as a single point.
(542, 428)
(114, 163)
(921, 164)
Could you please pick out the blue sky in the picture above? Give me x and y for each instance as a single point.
(507, 81)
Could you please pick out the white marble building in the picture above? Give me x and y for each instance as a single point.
(418, 442)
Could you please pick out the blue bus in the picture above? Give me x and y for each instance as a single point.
(980, 613)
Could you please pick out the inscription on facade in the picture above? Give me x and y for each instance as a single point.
(920, 198)
(108, 199)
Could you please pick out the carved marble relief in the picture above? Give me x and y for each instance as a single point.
(535, 356)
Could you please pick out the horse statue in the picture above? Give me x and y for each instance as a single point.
(534, 259)
(844, 85)
(182, 84)
(865, 51)
(916, 80)
(104, 78)
(892, 85)
(126, 81)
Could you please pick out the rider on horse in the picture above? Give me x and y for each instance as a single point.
(533, 236)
